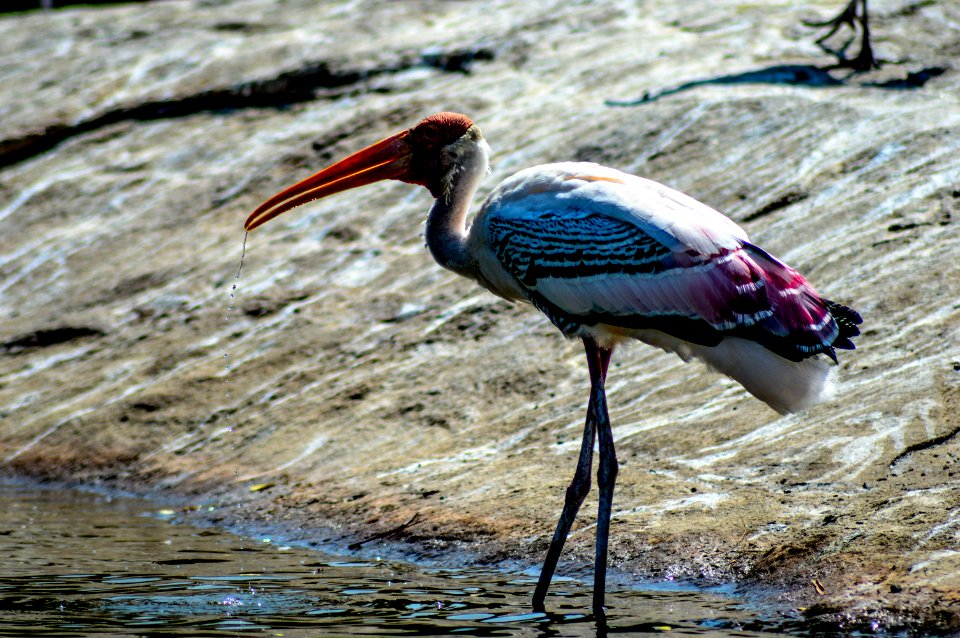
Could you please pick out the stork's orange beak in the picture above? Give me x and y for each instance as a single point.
(387, 159)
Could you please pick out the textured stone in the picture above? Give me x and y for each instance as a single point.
(369, 385)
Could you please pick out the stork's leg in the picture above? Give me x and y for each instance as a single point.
(576, 493)
(598, 360)
(606, 480)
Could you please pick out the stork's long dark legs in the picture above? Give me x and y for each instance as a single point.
(854, 12)
(598, 359)
(606, 480)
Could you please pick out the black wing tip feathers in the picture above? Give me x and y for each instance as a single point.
(848, 321)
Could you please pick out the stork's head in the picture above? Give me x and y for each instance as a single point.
(432, 154)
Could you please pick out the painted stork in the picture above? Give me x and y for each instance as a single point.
(607, 257)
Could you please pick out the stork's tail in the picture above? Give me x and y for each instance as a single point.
(786, 386)
(769, 327)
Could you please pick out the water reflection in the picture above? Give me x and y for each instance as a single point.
(75, 564)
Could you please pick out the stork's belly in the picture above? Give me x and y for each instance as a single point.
(609, 336)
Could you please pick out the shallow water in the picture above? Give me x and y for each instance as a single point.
(81, 564)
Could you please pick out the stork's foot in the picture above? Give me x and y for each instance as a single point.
(855, 16)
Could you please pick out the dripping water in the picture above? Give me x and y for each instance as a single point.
(230, 305)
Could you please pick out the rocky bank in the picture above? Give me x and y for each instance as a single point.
(348, 386)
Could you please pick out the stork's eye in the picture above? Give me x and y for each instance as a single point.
(429, 134)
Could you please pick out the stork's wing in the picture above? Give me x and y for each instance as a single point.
(612, 249)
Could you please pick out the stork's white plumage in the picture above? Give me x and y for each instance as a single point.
(608, 257)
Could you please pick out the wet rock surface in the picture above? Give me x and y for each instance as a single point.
(351, 391)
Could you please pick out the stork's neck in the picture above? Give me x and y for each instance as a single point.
(465, 162)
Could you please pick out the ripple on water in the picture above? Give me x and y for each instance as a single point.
(81, 564)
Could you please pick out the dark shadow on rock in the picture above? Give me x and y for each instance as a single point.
(790, 74)
(48, 337)
(317, 80)
(914, 80)
(19, 6)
